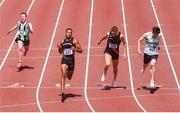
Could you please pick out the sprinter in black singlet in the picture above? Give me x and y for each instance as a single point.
(114, 38)
(68, 47)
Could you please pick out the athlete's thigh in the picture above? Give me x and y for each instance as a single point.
(108, 58)
(20, 44)
(64, 68)
(153, 62)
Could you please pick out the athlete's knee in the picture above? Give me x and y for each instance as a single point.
(20, 50)
(107, 65)
(152, 66)
(26, 48)
(153, 61)
(69, 75)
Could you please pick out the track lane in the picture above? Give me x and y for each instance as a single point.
(29, 77)
(106, 14)
(170, 26)
(139, 23)
(80, 25)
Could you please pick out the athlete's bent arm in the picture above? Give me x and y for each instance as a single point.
(31, 28)
(143, 37)
(77, 46)
(59, 46)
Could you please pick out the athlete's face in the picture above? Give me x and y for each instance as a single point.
(68, 34)
(114, 33)
(155, 35)
(23, 18)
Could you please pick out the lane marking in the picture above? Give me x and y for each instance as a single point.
(47, 56)
(16, 85)
(95, 55)
(164, 41)
(92, 47)
(2, 3)
(129, 60)
(82, 99)
(70, 86)
(88, 55)
(12, 43)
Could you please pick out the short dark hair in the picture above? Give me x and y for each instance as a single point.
(23, 13)
(114, 28)
(68, 29)
(156, 29)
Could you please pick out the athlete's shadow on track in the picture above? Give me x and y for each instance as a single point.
(152, 90)
(69, 95)
(24, 67)
(109, 87)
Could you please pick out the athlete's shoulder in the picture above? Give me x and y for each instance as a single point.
(148, 33)
(108, 33)
(29, 23)
(160, 35)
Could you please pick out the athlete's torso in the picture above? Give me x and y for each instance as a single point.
(23, 30)
(67, 48)
(151, 47)
(113, 42)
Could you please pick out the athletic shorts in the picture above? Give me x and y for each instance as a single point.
(69, 62)
(114, 55)
(25, 43)
(148, 58)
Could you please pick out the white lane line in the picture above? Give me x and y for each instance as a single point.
(79, 56)
(14, 39)
(129, 60)
(165, 45)
(88, 55)
(98, 98)
(47, 56)
(2, 3)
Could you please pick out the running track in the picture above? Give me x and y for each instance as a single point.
(41, 77)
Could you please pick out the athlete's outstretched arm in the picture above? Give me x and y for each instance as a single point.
(12, 29)
(124, 44)
(103, 38)
(77, 46)
(143, 37)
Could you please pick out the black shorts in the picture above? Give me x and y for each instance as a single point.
(114, 55)
(25, 43)
(148, 58)
(69, 62)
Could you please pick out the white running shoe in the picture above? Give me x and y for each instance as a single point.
(152, 85)
(103, 77)
(114, 83)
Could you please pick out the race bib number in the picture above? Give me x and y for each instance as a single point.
(152, 48)
(111, 45)
(68, 51)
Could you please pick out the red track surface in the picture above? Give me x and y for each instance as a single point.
(43, 15)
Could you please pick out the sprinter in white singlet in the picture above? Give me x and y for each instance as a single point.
(151, 51)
